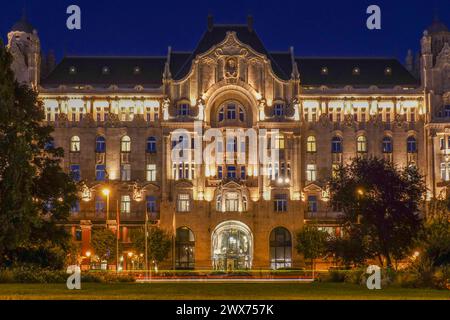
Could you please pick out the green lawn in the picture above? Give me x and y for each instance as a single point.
(241, 291)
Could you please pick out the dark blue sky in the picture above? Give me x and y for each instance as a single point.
(147, 27)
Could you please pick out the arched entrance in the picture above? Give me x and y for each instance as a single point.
(232, 246)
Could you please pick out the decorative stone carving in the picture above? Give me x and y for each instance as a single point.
(166, 106)
(324, 120)
(88, 121)
(231, 68)
(113, 121)
(349, 120)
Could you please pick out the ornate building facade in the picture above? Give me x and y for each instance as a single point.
(116, 117)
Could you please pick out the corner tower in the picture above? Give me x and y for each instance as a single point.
(25, 47)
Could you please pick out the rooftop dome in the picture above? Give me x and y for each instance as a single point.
(437, 26)
(23, 25)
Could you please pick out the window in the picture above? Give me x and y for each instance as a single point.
(219, 203)
(280, 248)
(184, 249)
(183, 203)
(220, 172)
(387, 145)
(311, 172)
(151, 145)
(125, 204)
(231, 111)
(78, 234)
(75, 144)
(232, 202)
(311, 144)
(445, 171)
(361, 144)
(75, 172)
(99, 205)
(312, 204)
(279, 142)
(125, 172)
(125, 144)
(336, 145)
(183, 109)
(231, 172)
(280, 203)
(151, 204)
(411, 145)
(100, 172)
(243, 173)
(151, 172)
(447, 111)
(244, 203)
(75, 209)
(278, 110)
(100, 145)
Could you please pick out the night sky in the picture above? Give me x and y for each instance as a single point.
(147, 27)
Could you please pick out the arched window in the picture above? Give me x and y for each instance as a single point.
(361, 144)
(387, 145)
(278, 110)
(311, 144)
(411, 145)
(75, 144)
(280, 248)
(151, 145)
(336, 145)
(100, 145)
(125, 144)
(184, 249)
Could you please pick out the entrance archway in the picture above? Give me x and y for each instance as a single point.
(232, 246)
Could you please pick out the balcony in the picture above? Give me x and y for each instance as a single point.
(322, 215)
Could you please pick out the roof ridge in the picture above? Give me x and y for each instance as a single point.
(347, 57)
(113, 57)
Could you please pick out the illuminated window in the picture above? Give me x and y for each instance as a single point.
(125, 204)
(183, 203)
(125, 172)
(311, 172)
(279, 142)
(125, 144)
(184, 249)
(151, 172)
(75, 144)
(311, 144)
(361, 144)
(280, 248)
(231, 202)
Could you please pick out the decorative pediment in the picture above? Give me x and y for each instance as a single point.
(312, 187)
(183, 184)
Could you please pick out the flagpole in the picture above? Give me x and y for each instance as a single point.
(117, 236)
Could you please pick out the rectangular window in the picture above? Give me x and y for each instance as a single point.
(243, 173)
(280, 203)
(151, 204)
(99, 205)
(445, 171)
(183, 110)
(219, 172)
(312, 204)
(183, 203)
(125, 204)
(125, 172)
(231, 172)
(311, 173)
(100, 172)
(75, 172)
(151, 172)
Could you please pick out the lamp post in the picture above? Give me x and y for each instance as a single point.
(106, 193)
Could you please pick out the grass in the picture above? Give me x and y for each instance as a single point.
(215, 291)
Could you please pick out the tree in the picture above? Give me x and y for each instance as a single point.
(35, 194)
(434, 239)
(312, 243)
(350, 248)
(381, 203)
(159, 243)
(104, 243)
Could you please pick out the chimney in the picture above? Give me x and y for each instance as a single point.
(210, 22)
(250, 22)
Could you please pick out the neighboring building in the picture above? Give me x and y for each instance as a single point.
(115, 117)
